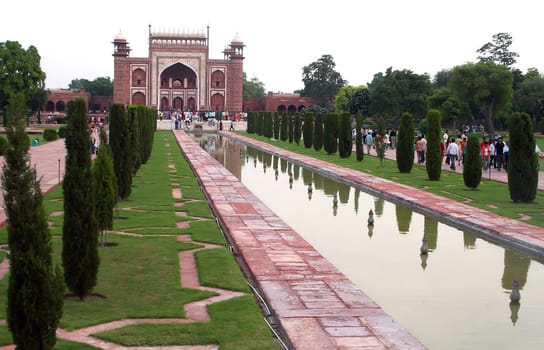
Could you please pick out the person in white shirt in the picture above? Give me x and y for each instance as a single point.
(452, 151)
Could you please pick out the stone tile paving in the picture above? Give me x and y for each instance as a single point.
(496, 228)
(314, 304)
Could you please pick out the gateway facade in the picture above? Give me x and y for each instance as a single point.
(178, 75)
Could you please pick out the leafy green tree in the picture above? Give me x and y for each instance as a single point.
(308, 132)
(472, 164)
(433, 161)
(120, 143)
(399, 91)
(318, 132)
(80, 230)
(349, 99)
(298, 128)
(449, 106)
(529, 96)
(485, 85)
(321, 81)
(104, 189)
(405, 143)
(441, 78)
(20, 71)
(359, 150)
(284, 134)
(360, 101)
(522, 160)
(330, 133)
(35, 288)
(253, 88)
(498, 51)
(345, 139)
(101, 86)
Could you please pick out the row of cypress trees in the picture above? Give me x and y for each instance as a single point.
(36, 287)
(333, 133)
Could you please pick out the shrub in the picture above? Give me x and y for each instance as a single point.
(62, 131)
(50, 135)
(405, 143)
(330, 133)
(472, 164)
(3, 145)
(434, 154)
(345, 138)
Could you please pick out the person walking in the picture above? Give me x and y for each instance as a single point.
(452, 152)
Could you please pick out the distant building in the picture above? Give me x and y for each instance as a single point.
(278, 102)
(55, 107)
(178, 74)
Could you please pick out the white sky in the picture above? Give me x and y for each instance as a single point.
(363, 37)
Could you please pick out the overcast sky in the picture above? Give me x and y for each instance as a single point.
(363, 37)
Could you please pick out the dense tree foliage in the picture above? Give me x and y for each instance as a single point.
(101, 86)
(120, 143)
(297, 132)
(80, 230)
(450, 107)
(20, 71)
(399, 91)
(104, 182)
(359, 151)
(253, 88)
(345, 139)
(522, 160)
(134, 131)
(405, 143)
(485, 85)
(498, 50)
(308, 130)
(330, 133)
(529, 97)
(276, 125)
(350, 99)
(360, 101)
(284, 127)
(321, 81)
(433, 157)
(35, 287)
(318, 132)
(472, 163)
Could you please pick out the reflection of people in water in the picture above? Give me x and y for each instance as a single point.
(231, 127)
(220, 125)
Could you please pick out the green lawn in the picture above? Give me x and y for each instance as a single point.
(490, 195)
(139, 270)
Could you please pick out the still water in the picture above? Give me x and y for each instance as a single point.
(455, 297)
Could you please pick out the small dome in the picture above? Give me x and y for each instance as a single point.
(236, 40)
(120, 37)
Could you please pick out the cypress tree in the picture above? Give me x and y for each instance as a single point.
(318, 128)
(104, 187)
(284, 135)
(522, 159)
(472, 164)
(134, 130)
(291, 128)
(80, 231)
(276, 126)
(269, 130)
(405, 143)
(308, 134)
(35, 288)
(297, 133)
(359, 150)
(262, 124)
(251, 122)
(433, 161)
(330, 132)
(120, 147)
(345, 139)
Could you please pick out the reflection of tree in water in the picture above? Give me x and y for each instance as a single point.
(404, 217)
(514, 311)
(275, 162)
(290, 168)
(356, 200)
(516, 267)
(318, 181)
(283, 165)
(330, 187)
(469, 240)
(430, 230)
(343, 193)
(378, 206)
(267, 159)
(306, 176)
(296, 171)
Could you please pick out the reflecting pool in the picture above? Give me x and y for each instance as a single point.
(457, 296)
